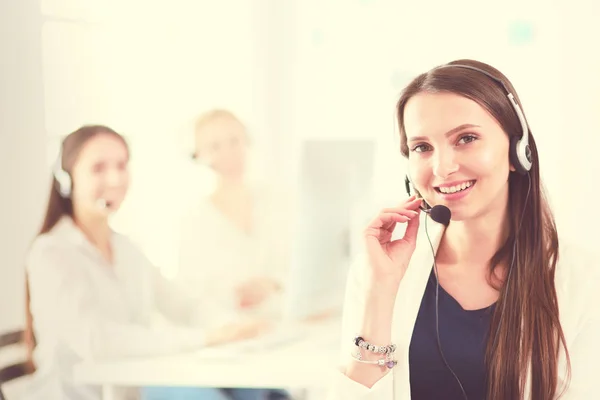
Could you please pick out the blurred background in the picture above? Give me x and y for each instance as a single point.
(315, 81)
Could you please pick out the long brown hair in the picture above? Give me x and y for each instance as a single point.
(59, 206)
(526, 318)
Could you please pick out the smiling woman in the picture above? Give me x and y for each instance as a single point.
(453, 305)
(485, 160)
(441, 161)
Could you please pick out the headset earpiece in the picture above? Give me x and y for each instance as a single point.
(407, 185)
(519, 151)
(64, 182)
(520, 155)
(62, 177)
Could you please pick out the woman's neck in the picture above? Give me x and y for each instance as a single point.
(474, 242)
(231, 187)
(96, 229)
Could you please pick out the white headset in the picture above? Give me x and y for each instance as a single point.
(519, 151)
(62, 177)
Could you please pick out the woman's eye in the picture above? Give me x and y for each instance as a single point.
(467, 139)
(97, 168)
(420, 148)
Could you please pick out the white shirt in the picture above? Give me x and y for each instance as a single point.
(87, 309)
(215, 255)
(577, 284)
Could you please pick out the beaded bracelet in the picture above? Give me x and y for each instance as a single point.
(383, 362)
(362, 343)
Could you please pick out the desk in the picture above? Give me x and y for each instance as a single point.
(307, 362)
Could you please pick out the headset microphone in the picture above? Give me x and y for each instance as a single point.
(440, 214)
(103, 204)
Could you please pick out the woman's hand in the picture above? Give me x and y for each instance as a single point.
(255, 291)
(388, 259)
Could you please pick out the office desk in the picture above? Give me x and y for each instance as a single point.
(306, 362)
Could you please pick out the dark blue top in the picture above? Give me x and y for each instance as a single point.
(463, 336)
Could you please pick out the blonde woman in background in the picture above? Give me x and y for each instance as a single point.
(233, 243)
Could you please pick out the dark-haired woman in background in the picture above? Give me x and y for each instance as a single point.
(91, 292)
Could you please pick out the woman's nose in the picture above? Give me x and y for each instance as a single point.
(444, 164)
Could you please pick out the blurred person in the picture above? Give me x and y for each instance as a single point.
(474, 297)
(91, 293)
(234, 242)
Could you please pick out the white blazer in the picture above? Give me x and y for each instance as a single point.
(578, 290)
(85, 309)
(215, 255)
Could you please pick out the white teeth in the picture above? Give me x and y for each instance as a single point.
(456, 188)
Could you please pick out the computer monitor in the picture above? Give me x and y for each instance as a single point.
(334, 185)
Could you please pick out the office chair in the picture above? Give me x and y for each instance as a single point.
(13, 370)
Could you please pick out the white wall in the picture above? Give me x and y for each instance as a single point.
(148, 75)
(23, 175)
(353, 57)
(578, 142)
(310, 69)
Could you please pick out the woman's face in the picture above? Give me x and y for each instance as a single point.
(100, 174)
(221, 144)
(458, 154)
